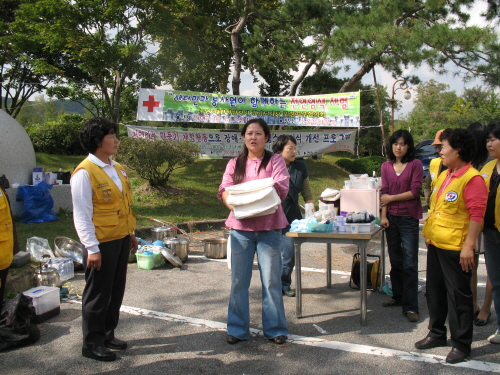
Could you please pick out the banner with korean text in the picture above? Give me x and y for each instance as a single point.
(218, 144)
(331, 110)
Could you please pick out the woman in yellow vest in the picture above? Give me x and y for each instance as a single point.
(491, 231)
(105, 223)
(457, 205)
(8, 242)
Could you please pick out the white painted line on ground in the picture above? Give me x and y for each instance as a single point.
(318, 270)
(318, 342)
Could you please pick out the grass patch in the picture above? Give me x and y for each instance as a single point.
(191, 194)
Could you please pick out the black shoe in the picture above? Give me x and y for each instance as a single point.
(280, 340)
(429, 343)
(289, 293)
(456, 356)
(232, 339)
(99, 354)
(115, 344)
(482, 322)
(390, 303)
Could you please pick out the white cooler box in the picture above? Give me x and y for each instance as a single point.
(46, 300)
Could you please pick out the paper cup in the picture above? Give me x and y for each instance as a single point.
(354, 228)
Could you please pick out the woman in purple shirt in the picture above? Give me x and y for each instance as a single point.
(402, 179)
(261, 235)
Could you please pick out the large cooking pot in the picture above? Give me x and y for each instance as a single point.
(215, 248)
(159, 233)
(47, 276)
(179, 246)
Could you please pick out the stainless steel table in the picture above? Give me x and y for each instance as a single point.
(358, 239)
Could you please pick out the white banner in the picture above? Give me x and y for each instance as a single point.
(217, 144)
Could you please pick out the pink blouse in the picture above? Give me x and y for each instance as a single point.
(276, 168)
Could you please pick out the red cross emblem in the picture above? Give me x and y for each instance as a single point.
(151, 103)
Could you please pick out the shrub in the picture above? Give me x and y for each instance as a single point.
(58, 137)
(362, 165)
(154, 160)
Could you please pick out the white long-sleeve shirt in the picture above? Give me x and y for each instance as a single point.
(83, 209)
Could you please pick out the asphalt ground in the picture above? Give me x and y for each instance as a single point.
(174, 322)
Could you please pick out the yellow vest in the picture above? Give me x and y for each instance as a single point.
(486, 172)
(448, 222)
(434, 166)
(112, 217)
(6, 233)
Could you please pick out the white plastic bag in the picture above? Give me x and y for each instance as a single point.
(38, 247)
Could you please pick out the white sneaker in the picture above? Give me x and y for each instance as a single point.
(494, 338)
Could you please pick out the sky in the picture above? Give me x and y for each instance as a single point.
(248, 88)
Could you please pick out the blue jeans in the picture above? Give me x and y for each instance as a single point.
(288, 256)
(492, 257)
(402, 243)
(244, 245)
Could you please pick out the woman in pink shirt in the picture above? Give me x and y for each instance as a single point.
(261, 235)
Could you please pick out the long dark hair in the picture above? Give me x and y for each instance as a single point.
(241, 162)
(478, 131)
(405, 134)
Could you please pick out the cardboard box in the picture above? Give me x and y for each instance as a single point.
(50, 178)
(46, 300)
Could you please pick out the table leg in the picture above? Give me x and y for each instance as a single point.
(298, 278)
(328, 265)
(382, 258)
(363, 282)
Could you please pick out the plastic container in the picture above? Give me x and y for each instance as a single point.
(149, 260)
(46, 301)
(64, 266)
(321, 228)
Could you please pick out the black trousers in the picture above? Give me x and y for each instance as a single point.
(103, 293)
(3, 281)
(449, 295)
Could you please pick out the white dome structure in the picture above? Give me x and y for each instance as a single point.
(17, 156)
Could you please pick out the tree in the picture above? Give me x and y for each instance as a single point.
(370, 137)
(105, 39)
(26, 67)
(156, 159)
(436, 108)
(397, 34)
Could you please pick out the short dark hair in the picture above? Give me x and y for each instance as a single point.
(460, 140)
(405, 134)
(493, 128)
(93, 132)
(280, 142)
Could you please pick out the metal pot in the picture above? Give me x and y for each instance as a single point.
(215, 248)
(47, 276)
(179, 246)
(159, 233)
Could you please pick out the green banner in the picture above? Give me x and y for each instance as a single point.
(331, 110)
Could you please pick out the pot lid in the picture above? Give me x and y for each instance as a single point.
(171, 257)
(162, 229)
